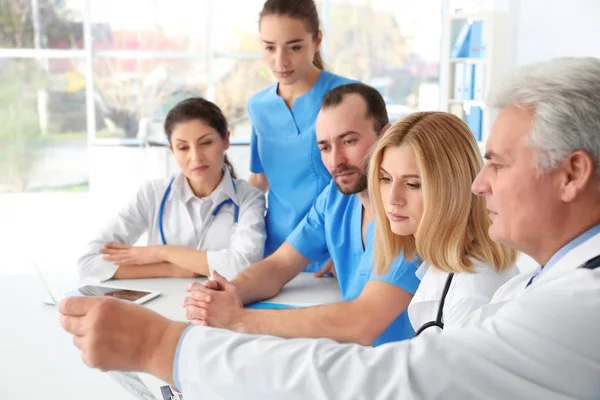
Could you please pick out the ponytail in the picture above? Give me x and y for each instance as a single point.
(230, 167)
(318, 61)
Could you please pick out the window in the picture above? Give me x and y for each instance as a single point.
(238, 80)
(54, 24)
(85, 86)
(145, 55)
(43, 142)
(393, 46)
(149, 25)
(236, 32)
(133, 95)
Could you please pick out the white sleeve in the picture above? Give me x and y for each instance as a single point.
(248, 240)
(535, 347)
(126, 227)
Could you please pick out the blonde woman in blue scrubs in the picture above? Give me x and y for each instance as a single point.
(285, 159)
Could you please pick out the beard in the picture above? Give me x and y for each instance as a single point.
(357, 185)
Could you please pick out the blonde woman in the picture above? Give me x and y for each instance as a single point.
(420, 179)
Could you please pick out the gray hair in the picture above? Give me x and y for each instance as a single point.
(565, 96)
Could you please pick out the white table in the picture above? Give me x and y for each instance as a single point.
(38, 359)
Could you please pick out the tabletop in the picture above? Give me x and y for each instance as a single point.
(39, 361)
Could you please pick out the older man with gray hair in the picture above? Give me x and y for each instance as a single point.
(538, 339)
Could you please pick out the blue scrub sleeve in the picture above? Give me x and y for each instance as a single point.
(309, 236)
(255, 163)
(401, 274)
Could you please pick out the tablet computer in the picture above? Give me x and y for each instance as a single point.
(134, 295)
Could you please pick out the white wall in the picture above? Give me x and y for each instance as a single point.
(554, 28)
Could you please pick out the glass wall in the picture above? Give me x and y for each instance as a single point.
(393, 45)
(75, 74)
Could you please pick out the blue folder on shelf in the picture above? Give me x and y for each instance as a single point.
(476, 40)
(462, 47)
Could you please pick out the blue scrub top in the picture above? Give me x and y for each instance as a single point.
(284, 147)
(333, 227)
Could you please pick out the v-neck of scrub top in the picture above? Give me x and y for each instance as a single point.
(292, 111)
(357, 227)
(348, 275)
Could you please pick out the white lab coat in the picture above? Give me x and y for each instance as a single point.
(541, 343)
(230, 247)
(468, 292)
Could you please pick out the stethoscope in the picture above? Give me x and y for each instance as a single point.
(440, 312)
(214, 213)
(592, 263)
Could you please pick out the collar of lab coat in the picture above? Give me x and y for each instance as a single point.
(576, 257)
(424, 267)
(223, 191)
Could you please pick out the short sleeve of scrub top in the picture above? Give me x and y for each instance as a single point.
(309, 237)
(401, 274)
(284, 147)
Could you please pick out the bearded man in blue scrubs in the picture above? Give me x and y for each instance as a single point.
(340, 224)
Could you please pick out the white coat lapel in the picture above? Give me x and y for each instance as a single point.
(573, 259)
(517, 285)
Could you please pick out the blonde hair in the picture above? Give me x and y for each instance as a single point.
(454, 225)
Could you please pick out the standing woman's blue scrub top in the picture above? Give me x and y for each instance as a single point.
(284, 148)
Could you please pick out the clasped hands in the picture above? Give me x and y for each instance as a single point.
(215, 303)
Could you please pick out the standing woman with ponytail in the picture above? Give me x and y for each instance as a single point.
(200, 220)
(285, 159)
